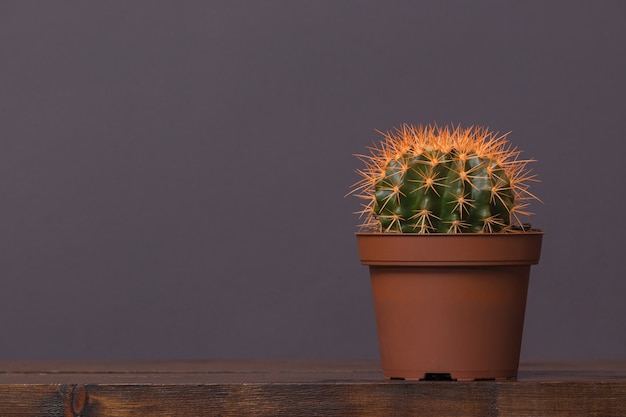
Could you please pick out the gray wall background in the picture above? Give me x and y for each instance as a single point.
(172, 173)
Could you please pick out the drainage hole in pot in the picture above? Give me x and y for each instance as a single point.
(432, 376)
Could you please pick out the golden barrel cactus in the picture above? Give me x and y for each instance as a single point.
(431, 179)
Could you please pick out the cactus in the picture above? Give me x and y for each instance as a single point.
(443, 180)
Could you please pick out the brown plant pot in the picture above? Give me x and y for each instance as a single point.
(450, 306)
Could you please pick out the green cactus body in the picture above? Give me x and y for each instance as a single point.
(443, 180)
(443, 193)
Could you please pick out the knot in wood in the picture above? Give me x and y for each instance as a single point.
(75, 400)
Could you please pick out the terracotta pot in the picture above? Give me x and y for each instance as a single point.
(450, 306)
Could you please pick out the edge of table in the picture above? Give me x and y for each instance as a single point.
(313, 388)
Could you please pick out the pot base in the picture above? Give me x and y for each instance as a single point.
(417, 375)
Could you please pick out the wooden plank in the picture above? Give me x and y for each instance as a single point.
(424, 399)
(329, 399)
(562, 399)
(201, 372)
(205, 366)
(288, 388)
(268, 371)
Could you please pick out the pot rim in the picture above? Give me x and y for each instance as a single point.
(440, 249)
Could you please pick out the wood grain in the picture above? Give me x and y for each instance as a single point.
(293, 388)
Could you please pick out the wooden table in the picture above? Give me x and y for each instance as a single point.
(301, 388)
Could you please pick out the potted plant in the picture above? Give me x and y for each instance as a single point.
(448, 253)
